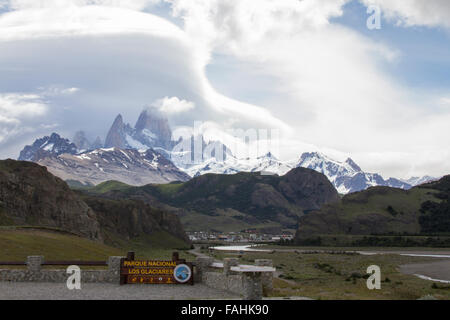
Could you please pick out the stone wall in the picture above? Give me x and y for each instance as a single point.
(251, 285)
(35, 273)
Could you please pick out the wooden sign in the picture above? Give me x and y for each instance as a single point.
(176, 271)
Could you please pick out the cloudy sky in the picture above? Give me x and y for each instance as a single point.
(311, 69)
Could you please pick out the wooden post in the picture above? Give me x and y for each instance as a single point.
(130, 256)
(191, 281)
(123, 278)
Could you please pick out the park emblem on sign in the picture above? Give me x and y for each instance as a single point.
(176, 271)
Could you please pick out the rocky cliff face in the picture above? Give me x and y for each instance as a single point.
(117, 135)
(30, 195)
(153, 130)
(128, 219)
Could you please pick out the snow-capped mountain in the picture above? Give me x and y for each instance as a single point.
(266, 164)
(135, 167)
(146, 153)
(52, 145)
(346, 176)
(129, 166)
(415, 181)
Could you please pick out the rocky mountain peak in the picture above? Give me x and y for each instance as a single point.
(116, 135)
(152, 129)
(268, 155)
(52, 145)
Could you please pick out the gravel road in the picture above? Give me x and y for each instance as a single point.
(101, 291)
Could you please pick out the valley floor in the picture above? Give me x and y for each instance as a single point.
(340, 273)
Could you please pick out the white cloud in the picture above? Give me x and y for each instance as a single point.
(330, 88)
(18, 112)
(341, 95)
(56, 90)
(173, 105)
(34, 4)
(430, 13)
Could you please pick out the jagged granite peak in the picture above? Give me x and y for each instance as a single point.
(52, 145)
(152, 129)
(116, 137)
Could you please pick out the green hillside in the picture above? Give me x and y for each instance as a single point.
(423, 210)
(17, 244)
(233, 202)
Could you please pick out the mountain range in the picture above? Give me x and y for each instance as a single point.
(146, 154)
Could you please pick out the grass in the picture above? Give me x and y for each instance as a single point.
(159, 245)
(17, 244)
(169, 189)
(404, 202)
(342, 276)
(108, 186)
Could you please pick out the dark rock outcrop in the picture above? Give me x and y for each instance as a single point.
(31, 196)
(128, 219)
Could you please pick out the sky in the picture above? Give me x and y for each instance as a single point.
(311, 69)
